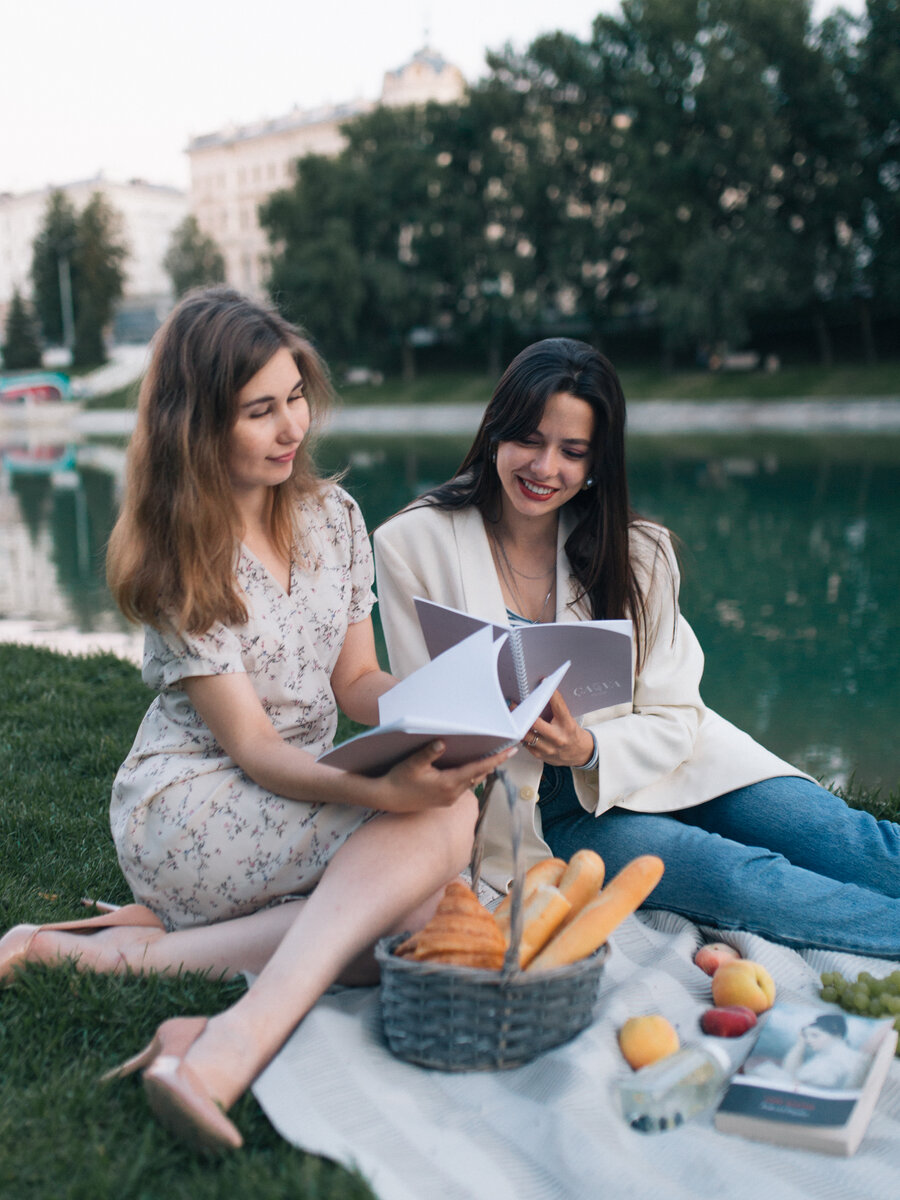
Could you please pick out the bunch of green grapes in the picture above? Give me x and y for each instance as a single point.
(866, 995)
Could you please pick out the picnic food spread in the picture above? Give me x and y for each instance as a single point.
(567, 915)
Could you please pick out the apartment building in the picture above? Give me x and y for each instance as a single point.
(233, 170)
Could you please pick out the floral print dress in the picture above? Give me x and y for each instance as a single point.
(197, 840)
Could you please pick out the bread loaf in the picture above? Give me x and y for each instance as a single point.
(582, 880)
(548, 870)
(545, 911)
(596, 921)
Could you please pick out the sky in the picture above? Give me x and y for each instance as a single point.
(119, 88)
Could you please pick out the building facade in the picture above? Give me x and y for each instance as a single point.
(235, 169)
(149, 214)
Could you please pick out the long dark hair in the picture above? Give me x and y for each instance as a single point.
(598, 546)
(171, 555)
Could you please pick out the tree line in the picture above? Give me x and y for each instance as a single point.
(698, 174)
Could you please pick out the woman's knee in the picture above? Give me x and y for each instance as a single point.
(460, 832)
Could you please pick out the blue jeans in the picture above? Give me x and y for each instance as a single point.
(783, 858)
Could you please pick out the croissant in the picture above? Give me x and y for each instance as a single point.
(462, 932)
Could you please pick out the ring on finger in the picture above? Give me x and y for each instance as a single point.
(532, 741)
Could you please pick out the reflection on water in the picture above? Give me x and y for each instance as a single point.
(55, 517)
(789, 558)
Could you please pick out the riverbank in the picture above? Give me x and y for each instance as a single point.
(114, 386)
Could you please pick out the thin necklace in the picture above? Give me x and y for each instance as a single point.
(521, 574)
(508, 571)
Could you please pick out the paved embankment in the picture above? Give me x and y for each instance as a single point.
(822, 415)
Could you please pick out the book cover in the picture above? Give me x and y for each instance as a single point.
(811, 1080)
(599, 652)
(456, 697)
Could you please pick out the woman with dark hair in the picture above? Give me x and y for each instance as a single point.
(536, 526)
(253, 578)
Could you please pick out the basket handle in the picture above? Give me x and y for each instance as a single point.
(478, 836)
(511, 961)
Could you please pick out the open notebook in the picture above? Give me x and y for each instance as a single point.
(457, 697)
(599, 652)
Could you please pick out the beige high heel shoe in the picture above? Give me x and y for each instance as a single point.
(15, 946)
(175, 1093)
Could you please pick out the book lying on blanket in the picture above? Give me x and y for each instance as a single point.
(811, 1080)
(599, 651)
(456, 697)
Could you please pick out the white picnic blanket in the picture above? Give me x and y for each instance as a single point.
(550, 1130)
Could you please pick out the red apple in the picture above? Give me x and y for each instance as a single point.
(711, 956)
(732, 1020)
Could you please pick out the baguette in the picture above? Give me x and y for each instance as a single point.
(581, 880)
(548, 870)
(596, 921)
(544, 912)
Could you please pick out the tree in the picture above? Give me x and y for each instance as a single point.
(193, 259)
(345, 264)
(733, 134)
(866, 51)
(78, 274)
(98, 262)
(21, 346)
(52, 269)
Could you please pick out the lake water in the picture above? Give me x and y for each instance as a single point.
(791, 566)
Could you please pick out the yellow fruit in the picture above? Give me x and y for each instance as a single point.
(644, 1040)
(743, 982)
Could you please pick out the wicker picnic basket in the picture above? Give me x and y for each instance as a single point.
(465, 1019)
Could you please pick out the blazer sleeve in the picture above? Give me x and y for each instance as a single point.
(651, 741)
(399, 578)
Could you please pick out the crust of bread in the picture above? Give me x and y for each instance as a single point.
(592, 926)
(544, 912)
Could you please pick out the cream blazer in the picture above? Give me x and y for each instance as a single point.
(662, 752)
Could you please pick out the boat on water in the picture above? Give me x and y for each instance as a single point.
(26, 459)
(36, 395)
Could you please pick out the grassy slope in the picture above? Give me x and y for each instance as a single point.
(65, 725)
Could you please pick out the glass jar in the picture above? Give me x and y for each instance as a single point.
(674, 1089)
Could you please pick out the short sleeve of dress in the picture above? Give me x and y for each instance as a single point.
(170, 657)
(362, 570)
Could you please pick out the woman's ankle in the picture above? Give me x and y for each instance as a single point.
(225, 1059)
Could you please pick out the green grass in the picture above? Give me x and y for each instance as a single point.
(65, 725)
(651, 383)
(472, 387)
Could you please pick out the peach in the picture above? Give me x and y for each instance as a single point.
(711, 956)
(743, 982)
(732, 1020)
(644, 1040)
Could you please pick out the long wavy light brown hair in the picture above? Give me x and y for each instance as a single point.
(598, 547)
(172, 554)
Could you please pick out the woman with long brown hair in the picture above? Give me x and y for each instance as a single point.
(536, 526)
(252, 576)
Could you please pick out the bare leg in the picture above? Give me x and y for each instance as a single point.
(225, 949)
(390, 868)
